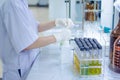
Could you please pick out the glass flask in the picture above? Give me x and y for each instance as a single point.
(113, 55)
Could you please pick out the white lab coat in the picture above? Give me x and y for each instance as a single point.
(18, 30)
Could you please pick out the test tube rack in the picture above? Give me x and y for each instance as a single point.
(88, 62)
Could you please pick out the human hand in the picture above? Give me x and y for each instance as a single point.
(63, 35)
(117, 5)
(64, 22)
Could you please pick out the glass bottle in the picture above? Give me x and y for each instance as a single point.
(114, 35)
(116, 57)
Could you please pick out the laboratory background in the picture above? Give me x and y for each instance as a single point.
(89, 54)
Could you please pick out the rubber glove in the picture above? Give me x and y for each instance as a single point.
(117, 5)
(64, 22)
(63, 35)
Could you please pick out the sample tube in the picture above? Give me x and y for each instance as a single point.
(78, 42)
(80, 46)
(82, 62)
(99, 48)
(89, 45)
(94, 53)
(86, 56)
(98, 56)
(87, 61)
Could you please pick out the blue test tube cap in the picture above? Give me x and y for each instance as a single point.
(85, 45)
(82, 41)
(82, 48)
(91, 43)
(94, 46)
(88, 43)
(90, 40)
(87, 48)
(77, 41)
(97, 43)
(80, 44)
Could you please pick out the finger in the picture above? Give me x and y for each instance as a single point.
(70, 24)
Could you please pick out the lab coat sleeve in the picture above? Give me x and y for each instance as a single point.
(21, 29)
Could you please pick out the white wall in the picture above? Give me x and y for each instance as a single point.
(33, 2)
(73, 10)
(57, 9)
(43, 2)
(116, 18)
(107, 13)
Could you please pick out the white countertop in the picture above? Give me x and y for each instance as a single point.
(55, 63)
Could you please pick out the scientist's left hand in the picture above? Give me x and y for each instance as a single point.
(64, 22)
(117, 5)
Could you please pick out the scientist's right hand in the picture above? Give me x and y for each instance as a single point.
(64, 22)
(117, 5)
(63, 35)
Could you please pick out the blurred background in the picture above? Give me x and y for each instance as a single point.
(92, 16)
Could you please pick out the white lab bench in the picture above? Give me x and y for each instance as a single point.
(55, 63)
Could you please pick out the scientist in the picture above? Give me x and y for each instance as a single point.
(19, 40)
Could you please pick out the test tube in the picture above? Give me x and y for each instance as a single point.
(94, 53)
(99, 55)
(79, 53)
(82, 41)
(96, 42)
(95, 50)
(82, 52)
(89, 45)
(87, 61)
(80, 46)
(99, 48)
(86, 56)
(78, 42)
(86, 49)
(95, 62)
(82, 63)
